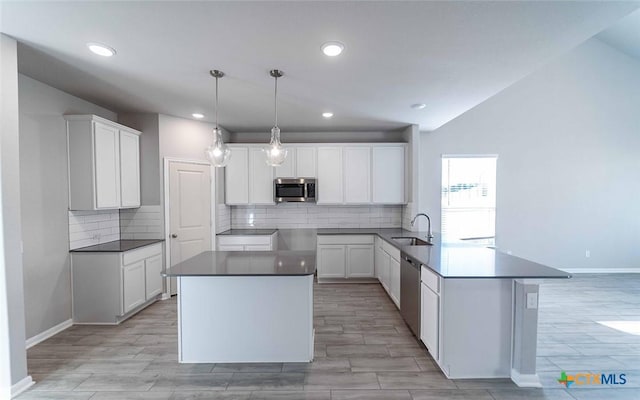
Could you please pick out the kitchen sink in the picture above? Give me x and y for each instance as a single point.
(411, 241)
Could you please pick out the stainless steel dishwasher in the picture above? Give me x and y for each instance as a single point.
(410, 293)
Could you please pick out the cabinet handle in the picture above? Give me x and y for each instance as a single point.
(173, 235)
(410, 261)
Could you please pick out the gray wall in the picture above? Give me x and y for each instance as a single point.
(568, 140)
(44, 192)
(12, 325)
(149, 125)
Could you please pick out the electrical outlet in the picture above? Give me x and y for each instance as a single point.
(532, 300)
(96, 237)
(587, 253)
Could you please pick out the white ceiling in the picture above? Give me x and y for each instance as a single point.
(449, 55)
(624, 35)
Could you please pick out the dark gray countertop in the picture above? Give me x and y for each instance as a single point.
(242, 232)
(247, 263)
(117, 246)
(459, 260)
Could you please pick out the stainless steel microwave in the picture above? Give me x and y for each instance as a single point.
(294, 190)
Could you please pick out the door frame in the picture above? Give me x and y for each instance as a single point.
(167, 212)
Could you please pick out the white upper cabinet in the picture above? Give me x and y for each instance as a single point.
(288, 167)
(129, 169)
(248, 178)
(104, 164)
(260, 178)
(237, 176)
(357, 175)
(306, 162)
(388, 176)
(330, 175)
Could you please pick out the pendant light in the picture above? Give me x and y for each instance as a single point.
(218, 153)
(275, 153)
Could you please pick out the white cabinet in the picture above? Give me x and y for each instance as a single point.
(104, 164)
(109, 287)
(248, 178)
(133, 284)
(288, 168)
(247, 242)
(331, 261)
(357, 175)
(237, 176)
(388, 267)
(388, 174)
(260, 178)
(345, 256)
(330, 175)
(306, 162)
(430, 320)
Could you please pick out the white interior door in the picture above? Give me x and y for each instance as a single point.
(189, 210)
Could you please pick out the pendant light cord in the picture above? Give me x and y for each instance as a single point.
(275, 101)
(216, 102)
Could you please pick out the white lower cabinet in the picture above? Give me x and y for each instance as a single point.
(247, 242)
(388, 269)
(345, 256)
(430, 320)
(108, 286)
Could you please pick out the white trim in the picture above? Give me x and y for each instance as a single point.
(21, 386)
(525, 380)
(601, 270)
(54, 330)
(167, 212)
(469, 156)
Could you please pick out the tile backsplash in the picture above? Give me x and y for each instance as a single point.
(223, 218)
(145, 222)
(301, 215)
(88, 228)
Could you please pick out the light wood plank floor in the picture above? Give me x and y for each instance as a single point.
(363, 351)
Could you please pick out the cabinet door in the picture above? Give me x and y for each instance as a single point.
(394, 281)
(430, 320)
(257, 247)
(236, 180)
(385, 260)
(230, 247)
(133, 282)
(330, 179)
(331, 261)
(129, 169)
(106, 166)
(288, 167)
(260, 178)
(153, 271)
(306, 162)
(360, 262)
(388, 175)
(357, 175)
(377, 260)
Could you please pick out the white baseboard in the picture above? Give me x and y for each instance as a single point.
(165, 296)
(602, 270)
(41, 337)
(21, 386)
(525, 380)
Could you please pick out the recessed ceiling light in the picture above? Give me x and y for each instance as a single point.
(332, 49)
(101, 49)
(418, 106)
(327, 114)
(197, 115)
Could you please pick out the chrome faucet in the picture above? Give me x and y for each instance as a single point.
(429, 233)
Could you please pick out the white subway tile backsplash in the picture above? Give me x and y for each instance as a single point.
(145, 222)
(223, 218)
(301, 215)
(88, 228)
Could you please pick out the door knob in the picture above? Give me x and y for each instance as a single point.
(173, 235)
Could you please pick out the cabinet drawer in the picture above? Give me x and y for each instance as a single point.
(345, 239)
(430, 278)
(391, 250)
(244, 240)
(129, 257)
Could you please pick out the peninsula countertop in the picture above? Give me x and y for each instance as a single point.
(247, 263)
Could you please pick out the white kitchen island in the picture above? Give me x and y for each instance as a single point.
(238, 307)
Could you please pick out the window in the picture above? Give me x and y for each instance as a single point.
(469, 198)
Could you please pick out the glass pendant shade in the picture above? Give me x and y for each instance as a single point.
(218, 153)
(275, 153)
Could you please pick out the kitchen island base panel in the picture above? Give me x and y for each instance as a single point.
(243, 319)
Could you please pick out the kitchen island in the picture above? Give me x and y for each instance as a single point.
(250, 306)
